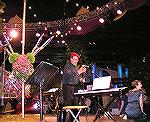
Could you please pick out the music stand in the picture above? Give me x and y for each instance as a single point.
(41, 79)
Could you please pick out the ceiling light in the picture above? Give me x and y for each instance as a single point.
(58, 32)
(79, 28)
(101, 20)
(119, 12)
(37, 34)
(30, 7)
(63, 42)
(34, 15)
(77, 4)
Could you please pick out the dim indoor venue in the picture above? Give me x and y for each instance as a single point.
(74, 61)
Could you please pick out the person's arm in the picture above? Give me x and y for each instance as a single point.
(141, 102)
(121, 107)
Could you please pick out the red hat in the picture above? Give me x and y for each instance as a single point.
(75, 54)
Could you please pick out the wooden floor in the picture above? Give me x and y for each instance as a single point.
(53, 118)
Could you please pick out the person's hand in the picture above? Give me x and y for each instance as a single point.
(82, 69)
(144, 113)
(82, 80)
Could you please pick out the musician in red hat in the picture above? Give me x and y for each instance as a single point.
(71, 81)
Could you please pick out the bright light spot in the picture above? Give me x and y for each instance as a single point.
(115, 3)
(57, 41)
(63, 42)
(35, 106)
(107, 6)
(87, 7)
(66, 34)
(13, 33)
(45, 28)
(34, 15)
(37, 34)
(4, 20)
(79, 28)
(51, 33)
(101, 20)
(71, 28)
(58, 32)
(39, 23)
(77, 4)
(61, 72)
(62, 35)
(75, 23)
(30, 7)
(67, 0)
(119, 12)
(97, 8)
(144, 59)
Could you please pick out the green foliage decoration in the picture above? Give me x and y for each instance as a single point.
(12, 57)
(31, 57)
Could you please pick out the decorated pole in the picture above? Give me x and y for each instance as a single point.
(23, 45)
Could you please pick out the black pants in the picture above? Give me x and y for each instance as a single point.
(69, 100)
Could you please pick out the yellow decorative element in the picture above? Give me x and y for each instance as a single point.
(31, 57)
(13, 57)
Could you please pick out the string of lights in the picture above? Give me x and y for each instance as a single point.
(101, 14)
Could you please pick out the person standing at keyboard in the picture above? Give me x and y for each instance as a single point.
(71, 82)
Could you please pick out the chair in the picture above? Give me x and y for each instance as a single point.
(79, 108)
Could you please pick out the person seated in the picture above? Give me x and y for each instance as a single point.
(135, 99)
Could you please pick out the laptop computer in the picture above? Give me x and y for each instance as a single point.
(101, 83)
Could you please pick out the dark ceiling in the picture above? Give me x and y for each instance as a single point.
(115, 42)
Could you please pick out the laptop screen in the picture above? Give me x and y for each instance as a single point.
(101, 83)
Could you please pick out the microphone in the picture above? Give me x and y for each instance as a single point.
(86, 66)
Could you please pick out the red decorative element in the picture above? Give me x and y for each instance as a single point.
(22, 65)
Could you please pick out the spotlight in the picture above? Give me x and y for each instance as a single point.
(101, 20)
(119, 12)
(63, 41)
(30, 7)
(77, 4)
(13, 33)
(37, 34)
(79, 28)
(58, 32)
